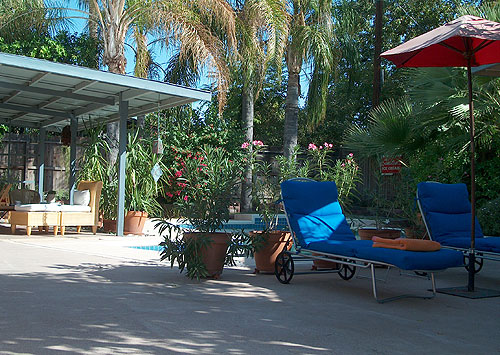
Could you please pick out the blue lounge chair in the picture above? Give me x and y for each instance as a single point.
(320, 231)
(446, 212)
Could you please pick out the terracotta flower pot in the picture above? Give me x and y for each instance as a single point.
(109, 225)
(134, 222)
(323, 264)
(265, 257)
(368, 233)
(213, 255)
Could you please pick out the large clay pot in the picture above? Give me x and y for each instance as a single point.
(265, 257)
(323, 264)
(134, 222)
(109, 225)
(368, 233)
(213, 255)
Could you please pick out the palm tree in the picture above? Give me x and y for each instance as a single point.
(262, 33)
(20, 18)
(188, 24)
(311, 41)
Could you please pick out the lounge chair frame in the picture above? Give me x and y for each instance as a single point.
(345, 262)
(60, 220)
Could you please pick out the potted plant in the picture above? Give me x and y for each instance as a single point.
(267, 243)
(208, 179)
(141, 189)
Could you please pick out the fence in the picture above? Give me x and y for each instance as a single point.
(21, 168)
(19, 162)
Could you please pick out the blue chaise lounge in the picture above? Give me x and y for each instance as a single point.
(320, 231)
(446, 212)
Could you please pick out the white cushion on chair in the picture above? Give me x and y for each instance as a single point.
(75, 208)
(81, 197)
(38, 207)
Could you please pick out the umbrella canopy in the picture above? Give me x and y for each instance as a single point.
(450, 45)
(468, 41)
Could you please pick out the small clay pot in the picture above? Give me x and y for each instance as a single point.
(368, 233)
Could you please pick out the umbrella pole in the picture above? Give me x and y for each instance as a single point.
(472, 254)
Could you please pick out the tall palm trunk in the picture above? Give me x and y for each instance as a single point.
(247, 114)
(377, 71)
(114, 58)
(294, 63)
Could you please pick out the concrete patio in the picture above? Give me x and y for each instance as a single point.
(95, 294)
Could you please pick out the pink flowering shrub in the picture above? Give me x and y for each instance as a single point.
(204, 186)
(345, 172)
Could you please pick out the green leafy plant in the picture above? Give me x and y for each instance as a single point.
(207, 181)
(141, 190)
(292, 167)
(210, 178)
(345, 172)
(489, 217)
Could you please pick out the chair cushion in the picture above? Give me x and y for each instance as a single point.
(81, 197)
(447, 210)
(344, 248)
(38, 207)
(314, 219)
(412, 260)
(75, 208)
(491, 244)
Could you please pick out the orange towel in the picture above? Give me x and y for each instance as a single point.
(406, 244)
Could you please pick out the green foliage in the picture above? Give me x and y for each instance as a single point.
(187, 251)
(92, 163)
(184, 132)
(266, 190)
(489, 217)
(67, 48)
(22, 18)
(208, 179)
(141, 190)
(292, 167)
(93, 166)
(345, 172)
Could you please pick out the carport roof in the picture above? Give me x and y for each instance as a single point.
(37, 93)
(487, 70)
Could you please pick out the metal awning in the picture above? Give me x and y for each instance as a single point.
(487, 70)
(37, 93)
(48, 96)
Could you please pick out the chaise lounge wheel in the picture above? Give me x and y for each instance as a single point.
(284, 267)
(347, 271)
(478, 263)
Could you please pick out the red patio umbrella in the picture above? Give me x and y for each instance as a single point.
(468, 41)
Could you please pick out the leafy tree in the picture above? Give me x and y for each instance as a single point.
(63, 48)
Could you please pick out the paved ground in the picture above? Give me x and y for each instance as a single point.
(95, 294)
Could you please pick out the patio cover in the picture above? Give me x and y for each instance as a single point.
(44, 95)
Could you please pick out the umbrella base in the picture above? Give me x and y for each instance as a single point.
(463, 291)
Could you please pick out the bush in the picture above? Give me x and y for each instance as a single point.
(489, 217)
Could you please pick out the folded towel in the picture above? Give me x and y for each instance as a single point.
(406, 244)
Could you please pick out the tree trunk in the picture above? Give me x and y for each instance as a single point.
(114, 58)
(378, 50)
(291, 111)
(247, 114)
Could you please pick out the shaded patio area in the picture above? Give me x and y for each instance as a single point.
(85, 293)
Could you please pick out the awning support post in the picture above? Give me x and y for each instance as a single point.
(41, 160)
(122, 159)
(72, 157)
